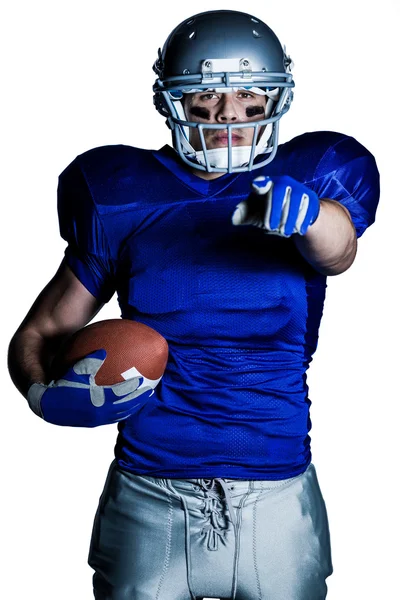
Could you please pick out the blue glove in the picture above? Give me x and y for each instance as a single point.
(281, 206)
(76, 400)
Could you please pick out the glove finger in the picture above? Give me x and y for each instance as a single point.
(127, 411)
(291, 212)
(252, 210)
(314, 206)
(135, 394)
(80, 372)
(97, 395)
(261, 185)
(312, 213)
(75, 381)
(126, 387)
(71, 379)
(306, 224)
(277, 197)
(304, 216)
(126, 414)
(91, 364)
(240, 215)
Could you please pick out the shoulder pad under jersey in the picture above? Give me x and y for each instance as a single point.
(338, 167)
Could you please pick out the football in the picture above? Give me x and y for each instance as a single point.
(132, 349)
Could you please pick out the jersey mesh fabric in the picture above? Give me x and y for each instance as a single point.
(240, 309)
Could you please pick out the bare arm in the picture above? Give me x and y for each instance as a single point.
(64, 306)
(330, 244)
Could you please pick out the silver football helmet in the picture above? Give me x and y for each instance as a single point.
(221, 51)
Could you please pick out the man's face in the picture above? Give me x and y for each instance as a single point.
(239, 106)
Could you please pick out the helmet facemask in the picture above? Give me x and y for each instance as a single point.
(232, 157)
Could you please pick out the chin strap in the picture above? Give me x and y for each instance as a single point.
(218, 157)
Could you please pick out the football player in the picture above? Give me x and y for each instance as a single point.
(223, 244)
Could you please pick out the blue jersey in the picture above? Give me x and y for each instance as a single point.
(240, 309)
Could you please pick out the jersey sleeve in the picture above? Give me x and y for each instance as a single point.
(87, 253)
(348, 173)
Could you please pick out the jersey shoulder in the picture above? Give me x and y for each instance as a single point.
(318, 153)
(110, 171)
(93, 189)
(116, 155)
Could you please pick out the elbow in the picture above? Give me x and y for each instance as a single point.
(341, 265)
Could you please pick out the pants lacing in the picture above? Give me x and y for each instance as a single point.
(217, 525)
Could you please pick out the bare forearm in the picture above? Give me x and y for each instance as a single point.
(330, 244)
(29, 358)
(63, 306)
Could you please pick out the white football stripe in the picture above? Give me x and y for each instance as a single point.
(133, 372)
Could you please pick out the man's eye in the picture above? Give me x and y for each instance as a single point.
(207, 96)
(245, 95)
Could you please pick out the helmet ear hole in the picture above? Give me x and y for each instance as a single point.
(161, 104)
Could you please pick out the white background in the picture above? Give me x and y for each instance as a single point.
(78, 75)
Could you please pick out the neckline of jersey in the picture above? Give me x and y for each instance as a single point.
(168, 157)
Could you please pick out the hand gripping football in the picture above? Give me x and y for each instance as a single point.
(132, 349)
